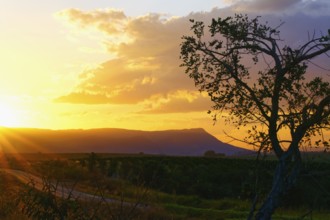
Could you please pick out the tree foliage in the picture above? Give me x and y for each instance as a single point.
(250, 73)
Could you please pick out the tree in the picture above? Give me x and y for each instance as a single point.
(279, 98)
(210, 153)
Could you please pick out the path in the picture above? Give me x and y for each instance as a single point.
(62, 192)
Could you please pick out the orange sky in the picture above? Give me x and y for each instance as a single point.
(78, 64)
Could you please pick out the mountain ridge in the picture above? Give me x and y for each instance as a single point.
(184, 142)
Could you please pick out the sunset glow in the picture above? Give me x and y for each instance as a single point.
(92, 64)
(9, 116)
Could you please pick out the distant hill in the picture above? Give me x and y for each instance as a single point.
(188, 142)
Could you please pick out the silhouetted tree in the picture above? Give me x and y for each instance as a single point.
(92, 160)
(277, 98)
(210, 153)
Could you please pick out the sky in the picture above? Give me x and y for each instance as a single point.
(80, 64)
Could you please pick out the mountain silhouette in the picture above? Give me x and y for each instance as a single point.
(187, 142)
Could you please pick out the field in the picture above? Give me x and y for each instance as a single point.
(108, 186)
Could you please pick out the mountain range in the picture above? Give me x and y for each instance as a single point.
(187, 142)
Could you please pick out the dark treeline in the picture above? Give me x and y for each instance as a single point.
(215, 178)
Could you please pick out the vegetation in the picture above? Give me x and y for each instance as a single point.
(158, 187)
(249, 73)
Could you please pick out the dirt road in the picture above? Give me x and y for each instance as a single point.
(59, 190)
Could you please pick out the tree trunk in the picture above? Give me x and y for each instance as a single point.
(285, 177)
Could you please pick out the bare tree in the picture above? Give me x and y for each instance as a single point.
(279, 98)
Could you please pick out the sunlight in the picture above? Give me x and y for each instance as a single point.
(9, 116)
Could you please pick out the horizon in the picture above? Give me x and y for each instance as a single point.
(115, 64)
(186, 142)
(310, 149)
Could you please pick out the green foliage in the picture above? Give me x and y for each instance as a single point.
(60, 170)
(187, 175)
(216, 178)
(57, 197)
(45, 204)
(195, 189)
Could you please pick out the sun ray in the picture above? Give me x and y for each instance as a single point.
(14, 146)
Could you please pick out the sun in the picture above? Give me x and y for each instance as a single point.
(9, 116)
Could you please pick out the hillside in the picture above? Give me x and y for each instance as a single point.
(188, 142)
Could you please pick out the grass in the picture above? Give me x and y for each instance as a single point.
(161, 205)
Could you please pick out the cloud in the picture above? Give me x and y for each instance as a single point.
(108, 20)
(83, 98)
(146, 68)
(179, 101)
(264, 6)
(280, 7)
(317, 8)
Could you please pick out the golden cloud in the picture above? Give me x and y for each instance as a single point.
(178, 101)
(108, 20)
(83, 98)
(146, 70)
(145, 66)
